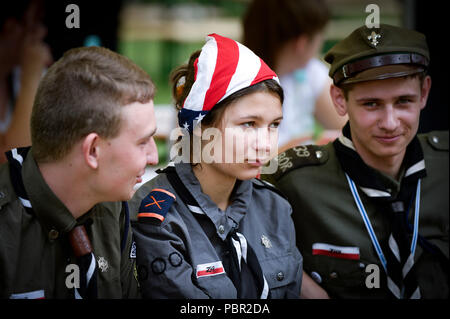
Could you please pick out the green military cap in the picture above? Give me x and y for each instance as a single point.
(376, 54)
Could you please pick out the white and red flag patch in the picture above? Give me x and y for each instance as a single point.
(210, 269)
(343, 252)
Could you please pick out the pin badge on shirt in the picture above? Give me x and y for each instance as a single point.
(266, 241)
(103, 264)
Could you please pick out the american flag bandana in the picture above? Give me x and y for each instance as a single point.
(224, 67)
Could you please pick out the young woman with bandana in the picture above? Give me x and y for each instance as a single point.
(206, 227)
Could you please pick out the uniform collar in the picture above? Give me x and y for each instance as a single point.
(223, 221)
(51, 212)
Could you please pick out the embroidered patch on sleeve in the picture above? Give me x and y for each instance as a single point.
(210, 269)
(156, 204)
(335, 251)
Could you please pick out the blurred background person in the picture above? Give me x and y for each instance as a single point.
(288, 35)
(23, 58)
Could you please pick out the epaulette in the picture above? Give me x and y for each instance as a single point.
(438, 140)
(155, 205)
(299, 156)
(259, 183)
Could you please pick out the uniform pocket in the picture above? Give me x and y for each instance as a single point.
(279, 273)
(333, 272)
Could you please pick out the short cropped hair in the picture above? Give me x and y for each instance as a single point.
(82, 93)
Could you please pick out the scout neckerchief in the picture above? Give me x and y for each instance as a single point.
(78, 238)
(398, 257)
(244, 269)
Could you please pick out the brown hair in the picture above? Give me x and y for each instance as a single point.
(269, 24)
(81, 93)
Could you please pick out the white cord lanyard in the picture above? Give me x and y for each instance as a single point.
(369, 227)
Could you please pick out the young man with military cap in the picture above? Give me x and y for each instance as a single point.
(371, 208)
(62, 236)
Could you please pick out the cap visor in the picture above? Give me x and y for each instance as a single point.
(385, 72)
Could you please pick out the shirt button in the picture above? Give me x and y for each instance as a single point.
(333, 275)
(221, 229)
(316, 277)
(280, 276)
(53, 234)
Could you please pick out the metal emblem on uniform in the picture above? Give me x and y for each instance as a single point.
(266, 241)
(373, 38)
(102, 264)
(133, 250)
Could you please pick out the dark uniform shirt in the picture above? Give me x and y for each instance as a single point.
(327, 219)
(35, 251)
(173, 256)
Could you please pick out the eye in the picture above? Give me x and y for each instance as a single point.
(404, 101)
(370, 104)
(248, 124)
(274, 124)
(144, 142)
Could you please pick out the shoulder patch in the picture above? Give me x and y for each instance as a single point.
(156, 205)
(258, 183)
(299, 156)
(438, 140)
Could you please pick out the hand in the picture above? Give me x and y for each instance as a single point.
(36, 55)
(311, 290)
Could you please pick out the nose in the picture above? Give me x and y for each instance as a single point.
(264, 141)
(152, 153)
(389, 120)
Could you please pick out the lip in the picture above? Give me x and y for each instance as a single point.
(139, 178)
(387, 139)
(256, 163)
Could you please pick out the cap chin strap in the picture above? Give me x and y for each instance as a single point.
(350, 69)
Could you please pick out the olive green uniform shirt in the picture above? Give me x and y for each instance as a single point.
(35, 251)
(324, 211)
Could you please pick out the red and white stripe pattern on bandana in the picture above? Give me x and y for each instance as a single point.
(335, 251)
(223, 68)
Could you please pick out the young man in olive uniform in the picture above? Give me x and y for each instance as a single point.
(92, 125)
(371, 208)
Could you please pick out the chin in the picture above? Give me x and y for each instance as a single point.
(125, 196)
(246, 174)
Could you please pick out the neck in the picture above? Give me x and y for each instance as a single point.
(389, 165)
(219, 192)
(67, 184)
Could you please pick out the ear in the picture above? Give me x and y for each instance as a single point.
(91, 150)
(339, 101)
(425, 90)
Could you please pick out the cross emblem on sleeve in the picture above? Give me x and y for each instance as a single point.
(155, 202)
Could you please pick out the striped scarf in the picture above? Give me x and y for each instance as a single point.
(401, 276)
(78, 238)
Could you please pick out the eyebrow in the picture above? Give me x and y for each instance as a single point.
(149, 135)
(257, 117)
(375, 99)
